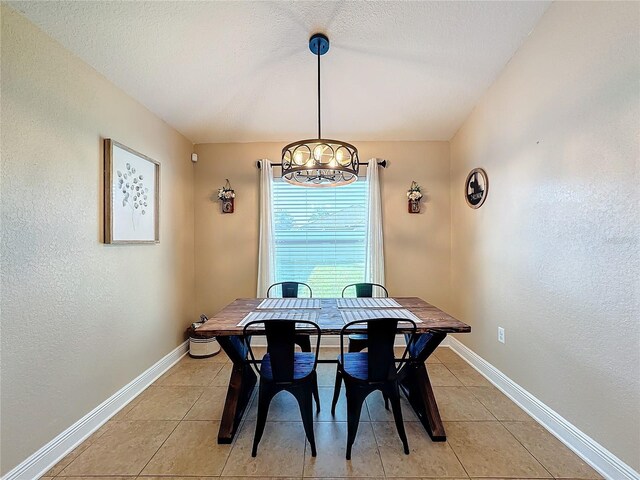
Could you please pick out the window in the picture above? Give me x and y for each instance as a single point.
(320, 235)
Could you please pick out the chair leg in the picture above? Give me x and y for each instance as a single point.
(336, 391)
(305, 402)
(355, 399)
(265, 394)
(394, 396)
(316, 394)
(304, 341)
(386, 400)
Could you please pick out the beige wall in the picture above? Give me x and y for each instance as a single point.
(552, 256)
(416, 245)
(70, 304)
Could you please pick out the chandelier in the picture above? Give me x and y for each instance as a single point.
(320, 162)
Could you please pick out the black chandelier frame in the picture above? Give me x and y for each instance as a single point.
(319, 162)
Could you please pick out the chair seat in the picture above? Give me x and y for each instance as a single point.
(356, 365)
(302, 365)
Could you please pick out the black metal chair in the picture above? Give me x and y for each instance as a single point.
(366, 372)
(358, 342)
(282, 368)
(290, 290)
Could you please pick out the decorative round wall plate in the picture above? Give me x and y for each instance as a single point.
(476, 188)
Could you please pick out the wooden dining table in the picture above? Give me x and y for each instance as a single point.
(413, 376)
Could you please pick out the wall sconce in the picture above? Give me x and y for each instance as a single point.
(227, 196)
(413, 198)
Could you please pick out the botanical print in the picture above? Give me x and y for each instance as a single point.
(133, 196)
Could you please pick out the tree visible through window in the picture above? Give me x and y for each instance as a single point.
(320, 235)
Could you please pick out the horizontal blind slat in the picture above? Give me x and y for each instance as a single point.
(320, 235)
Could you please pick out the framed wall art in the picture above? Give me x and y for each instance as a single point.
(131, 195)
(476, 187)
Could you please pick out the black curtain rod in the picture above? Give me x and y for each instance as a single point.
(382, 163)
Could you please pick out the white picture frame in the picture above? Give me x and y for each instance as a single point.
(131, 195)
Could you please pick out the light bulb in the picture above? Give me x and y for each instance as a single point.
(298, 158)
(339, 156)
(317, 153)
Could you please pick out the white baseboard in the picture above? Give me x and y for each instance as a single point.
(601, 459)
(51, 453)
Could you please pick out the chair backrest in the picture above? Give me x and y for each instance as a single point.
(366, 289)
(281, 346)
(381, 335)
(289, 289)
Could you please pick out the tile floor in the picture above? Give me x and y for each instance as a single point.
(170, 431)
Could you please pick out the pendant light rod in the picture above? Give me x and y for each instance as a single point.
(319, 123)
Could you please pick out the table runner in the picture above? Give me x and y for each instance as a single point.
(288, 303)
(367, 302)
(353, 315)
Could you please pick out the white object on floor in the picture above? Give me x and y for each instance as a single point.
(203, 347)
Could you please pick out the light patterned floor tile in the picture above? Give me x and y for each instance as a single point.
(326, 374)
(191, 449)
(209, 406)
(499, 404)
(449, 357)
(441, 376)
(123, 450)
(487, 449)
(326, 397)
(426, 458)
(280, 452)
(164, 403)
(91, 477)
(222, 377)
(377, 412)
(190, 374)
(254, 478)
(459, 404)
(331, 444)
(548, 450)
(468, 375)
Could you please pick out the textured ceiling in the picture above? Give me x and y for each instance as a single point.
(242, 71)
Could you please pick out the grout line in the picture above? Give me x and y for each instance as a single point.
(458, 458)
(527, 450)
(375, 439)
(156, 452)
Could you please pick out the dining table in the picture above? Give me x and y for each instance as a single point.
(331, 314)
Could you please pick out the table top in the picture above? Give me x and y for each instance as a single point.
(225, 322)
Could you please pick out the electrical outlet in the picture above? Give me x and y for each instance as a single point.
(501, 334)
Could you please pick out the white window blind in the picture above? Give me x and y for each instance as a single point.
(320, 235)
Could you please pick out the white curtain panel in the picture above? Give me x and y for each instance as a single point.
(374, 269)
(266, 252)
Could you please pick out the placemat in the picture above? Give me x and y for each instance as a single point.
(286, 303)
(368, 302)
(266, 316)
(400, 313)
